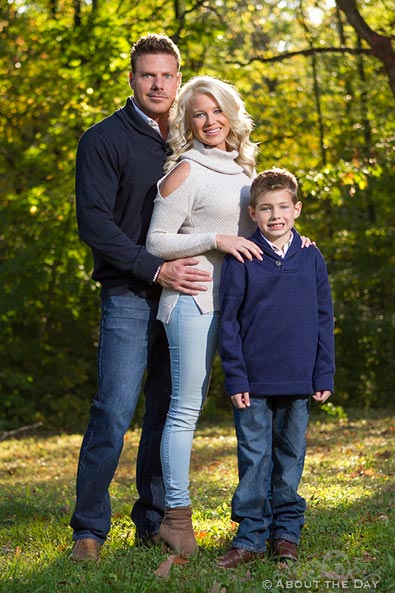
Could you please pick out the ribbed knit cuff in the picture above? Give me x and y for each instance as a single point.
(155, 278)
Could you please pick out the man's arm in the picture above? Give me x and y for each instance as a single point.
(181, 275)
(97, 181)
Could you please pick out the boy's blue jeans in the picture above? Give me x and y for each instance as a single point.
(271, 438)
(133, 347)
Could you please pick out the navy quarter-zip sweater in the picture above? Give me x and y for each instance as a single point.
(119, 160)
(276, 333)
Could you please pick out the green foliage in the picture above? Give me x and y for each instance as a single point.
(336, 412)
(357, 242)
(64, 65)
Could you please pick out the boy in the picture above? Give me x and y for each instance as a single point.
(277, 348)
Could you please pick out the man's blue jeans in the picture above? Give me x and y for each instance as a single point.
(271, 439)
(133, 347)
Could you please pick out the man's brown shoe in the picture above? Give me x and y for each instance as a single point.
(282, 549)
(237, 556)
(86, 549)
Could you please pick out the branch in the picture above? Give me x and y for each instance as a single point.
(10, 433)
(305, 52)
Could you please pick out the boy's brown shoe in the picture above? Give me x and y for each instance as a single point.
(236, 556)
(282, 549)
(87, 549)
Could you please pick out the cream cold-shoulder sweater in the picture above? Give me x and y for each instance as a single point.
(213, 200)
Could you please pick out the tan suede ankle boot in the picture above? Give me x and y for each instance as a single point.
(177, 531)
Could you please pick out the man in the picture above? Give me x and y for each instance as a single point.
(119, 161)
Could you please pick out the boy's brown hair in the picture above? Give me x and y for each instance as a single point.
(154, 44)
(272, 180)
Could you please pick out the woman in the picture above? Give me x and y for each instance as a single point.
(200, 210)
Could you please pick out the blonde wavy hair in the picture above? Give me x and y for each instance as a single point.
(180, 137)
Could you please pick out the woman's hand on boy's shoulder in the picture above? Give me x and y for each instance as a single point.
(240, 247)
(307, 242)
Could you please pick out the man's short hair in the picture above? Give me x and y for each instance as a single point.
(154, 44)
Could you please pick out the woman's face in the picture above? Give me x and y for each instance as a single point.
(208, 123)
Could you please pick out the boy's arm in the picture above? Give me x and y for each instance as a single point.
(321, 396)
(241, 400)
(232, 292)
(323, 376)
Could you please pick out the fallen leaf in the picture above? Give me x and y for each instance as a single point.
(217, 588)
(384, 455)
(201, 534)
(7, 550)
(165, 566)
(180, 560)
(282, 565)
(361, 471)
(368, 558)
(368, 518)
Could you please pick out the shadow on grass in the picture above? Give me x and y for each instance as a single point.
(325, 564)
(344, 541)
(350, 544)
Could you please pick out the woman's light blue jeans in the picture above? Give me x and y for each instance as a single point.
(192, 338)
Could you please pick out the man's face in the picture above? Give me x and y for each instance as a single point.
(155, 83)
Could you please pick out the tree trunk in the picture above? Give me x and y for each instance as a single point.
(380, 44)
(77, 13)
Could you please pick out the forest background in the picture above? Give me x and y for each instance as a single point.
(318, 78)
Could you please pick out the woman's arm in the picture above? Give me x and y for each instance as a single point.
(173, 207)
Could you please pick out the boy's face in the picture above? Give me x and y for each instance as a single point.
(275, 214)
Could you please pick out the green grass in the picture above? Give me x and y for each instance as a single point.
(347, 543)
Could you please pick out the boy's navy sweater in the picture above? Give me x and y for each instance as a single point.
(276, 332)
(119, 161)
